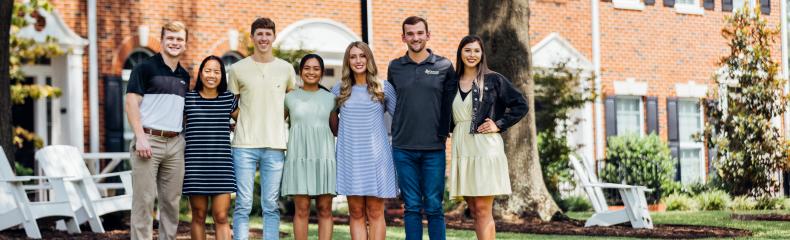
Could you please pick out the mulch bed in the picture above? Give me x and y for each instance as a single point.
(560, 225)
(566, 226)
(761, 217)
(115, 229)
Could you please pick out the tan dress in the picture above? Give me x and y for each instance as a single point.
(479, 165)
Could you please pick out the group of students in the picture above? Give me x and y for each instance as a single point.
(337, 141)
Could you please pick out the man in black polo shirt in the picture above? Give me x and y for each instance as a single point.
(155, 106)
(424, 83)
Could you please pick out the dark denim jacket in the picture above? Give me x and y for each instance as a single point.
(502, 102)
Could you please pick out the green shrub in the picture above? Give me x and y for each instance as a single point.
(559, 90)
(748, 96)
(21, 170)
(680, 202)
(786, 204)
(639, 160)
(769, 203)
(449, 204)
(713, 200)
(554, 154)
(743, 203)
(575, 204)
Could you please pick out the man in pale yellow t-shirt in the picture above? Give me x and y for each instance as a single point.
(261, 81)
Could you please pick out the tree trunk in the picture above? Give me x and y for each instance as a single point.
(503, 26)
(6, 123)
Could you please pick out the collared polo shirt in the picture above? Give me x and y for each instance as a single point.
(422, 115)
(163, 93)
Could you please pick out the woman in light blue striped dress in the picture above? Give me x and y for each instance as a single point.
(365, 171)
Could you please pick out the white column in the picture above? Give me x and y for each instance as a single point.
(74, 101)
(596, 51)
(93, 77)
(785, 64)
(40, 109)
(370, 23)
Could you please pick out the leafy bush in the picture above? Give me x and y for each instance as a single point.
(21, 170)
(637, 160)
(449, 204)
(770, 203)
(554, 154)
(749, 95)
(697, 188)
(680, 202)
(743, 203)
(713, 200)
(786, 204)
(558, 92)
(575, 204)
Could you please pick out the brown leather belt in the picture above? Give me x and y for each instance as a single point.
(154, 132)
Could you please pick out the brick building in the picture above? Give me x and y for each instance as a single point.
(654, 59)
(128, 31)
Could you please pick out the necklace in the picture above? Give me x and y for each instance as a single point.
(261, 69)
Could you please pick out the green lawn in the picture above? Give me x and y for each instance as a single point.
(761, 229)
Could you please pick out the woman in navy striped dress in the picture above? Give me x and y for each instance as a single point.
(209, 166)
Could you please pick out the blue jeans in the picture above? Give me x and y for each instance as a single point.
(421, 181)
(245, 161)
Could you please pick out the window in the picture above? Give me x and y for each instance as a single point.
(629, 115)
(134, 59)
(230, 58)
(692, 164)
(629, 4)
(738, 4)
(689, 7)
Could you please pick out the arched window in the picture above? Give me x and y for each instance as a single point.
(136, 58)
(229, 58)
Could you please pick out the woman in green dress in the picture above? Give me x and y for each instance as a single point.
(485, 104)
(310, 169)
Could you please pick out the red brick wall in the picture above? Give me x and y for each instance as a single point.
(448, 22)
(209, 21)
(656, 45)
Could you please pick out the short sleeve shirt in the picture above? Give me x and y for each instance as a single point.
(262, 88)
(163, 93)
(421, 111)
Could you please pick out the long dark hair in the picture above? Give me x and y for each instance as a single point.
(223, 82)
(482, 66)
(320, 64)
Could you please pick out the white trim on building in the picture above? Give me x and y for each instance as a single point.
(691, 90)
(629, 4)
(554, 49)
(66, 72)
(630, 87)
(326, 37)
(692, 7)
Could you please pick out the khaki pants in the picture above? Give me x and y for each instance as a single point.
(160, 176)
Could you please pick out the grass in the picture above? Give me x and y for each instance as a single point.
(760, 229)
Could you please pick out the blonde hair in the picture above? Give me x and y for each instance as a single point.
(375, 88)
(174, 26)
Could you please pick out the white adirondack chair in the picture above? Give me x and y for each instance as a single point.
(86, 200)
(633, 197)
(16, 209)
